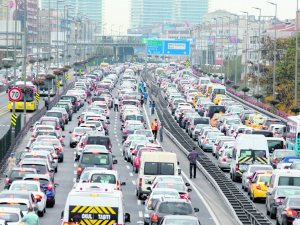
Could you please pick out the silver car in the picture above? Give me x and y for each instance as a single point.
(225, 159)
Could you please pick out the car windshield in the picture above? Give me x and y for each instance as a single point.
(21, 206)
(289, 181)
(283, 192)
(275, 144)
(41, 169)
(54, 114)
(147, 133)
(103, 178)
(181, 222)
(176, 208)
(95, 159)
(213, 135)
(19, 174)
(23, 187)
(230, 122)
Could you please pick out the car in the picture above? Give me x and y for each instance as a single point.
(10, 216)
(41, 165)
(42, 154)
(153, 198)
(251, 169)
(130, 127)
(47, 185)
(287, 161)
(76, 134)
(35, 188)
(277, 196)
(287, 212)
(225, 158)
(279, 154)
(166, 207)
(182, 188)
(147, 133)
(179, 220)
(17, 173)
(259, 186)
(95, 139)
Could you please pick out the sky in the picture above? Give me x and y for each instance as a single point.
(117, 12)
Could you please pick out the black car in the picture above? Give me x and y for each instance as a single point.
(17, 173)
(288, 211)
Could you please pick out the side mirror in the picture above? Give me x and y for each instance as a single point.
(189, 190)
(123, 183)
(56, 185)
(179, 171)
(63, 136)
(51, 170)
(149, 188)
(187, 184)
(196, 209)
(70, 132)
(267, 184)
(127, 218)
(115, 161)
(62, 214)
(178, 163)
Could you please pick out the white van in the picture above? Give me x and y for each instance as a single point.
(153, 164)
(248, 149)
(94, 205)
(284, 178)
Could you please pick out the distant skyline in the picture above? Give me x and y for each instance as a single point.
(117, 12)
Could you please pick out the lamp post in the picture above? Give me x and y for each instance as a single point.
(67, 6)
(228, 46)
(215, 49)
(57, 29)
(259, 53)
(296, 59)
(236, 47)
(24, 54)
(222, 42)
(246, 48)
(275, 50)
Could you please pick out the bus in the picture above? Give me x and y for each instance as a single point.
(293, 133)
(28, 92)
(45, 85)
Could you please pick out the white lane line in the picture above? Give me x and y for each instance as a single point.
(117, 140)
(139, 202)
(140, 214)
(74, 180)
(207, 206)
(75, 164)
(75, 172)
(128, 167)
(120, 149)
(131, 174)
(133, 182)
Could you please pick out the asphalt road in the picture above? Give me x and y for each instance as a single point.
(212, 209)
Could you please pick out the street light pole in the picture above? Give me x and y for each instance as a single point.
(215, 49)
(25, 55)
(275, 50)
(259, 53)
(236, 47)
(222, 53)
(228, 47)
(246, 49)
(296, 59)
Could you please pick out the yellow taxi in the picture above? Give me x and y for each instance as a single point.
(259, 185)
(257, 122)
(214, 119)
(249, 120)
(218, 98)
(197, 96)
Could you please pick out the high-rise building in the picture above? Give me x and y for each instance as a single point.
(153, 12)
(92, 9)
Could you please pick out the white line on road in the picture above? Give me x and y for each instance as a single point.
(139, 202)
(131, 174)
(128, 167)
(133, 182)
(75, 172)
(140, 214)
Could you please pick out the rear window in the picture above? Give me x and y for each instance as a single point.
(201, 121)
(275, 144)
(19, 174)
(21, 206)
(175, 208)
(54, 114)
(97, 159)
(23, 187)
(265, 133)
(264, 179)
(155, 168)
(9, 217)
(103, 178)
(283, 192)
(289, 181)
(98, 141)
(41, 169)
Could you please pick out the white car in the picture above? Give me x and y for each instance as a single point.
(147, 133)
(10, 216)
(35, 188)
(296, 222)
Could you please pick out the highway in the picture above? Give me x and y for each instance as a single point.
(213, 211)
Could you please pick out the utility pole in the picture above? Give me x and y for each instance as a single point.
(228, 48)
(246, 49)
(25, 56)
(259, 53)
(215, 43)
(236, 48)
(222, 54)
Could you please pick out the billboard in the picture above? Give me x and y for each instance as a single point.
(168, 47)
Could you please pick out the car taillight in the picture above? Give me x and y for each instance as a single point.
(110, 147)
(66, 223)
(7, 180)
(185, 196)
(291, 212)
(50, 187)
(140, 182)
(59, 149)
(154, 218)
(237, 166)
(118, 185)
(279, 200)
(74, 135)
(125, 131)
(275, 160)
(79, 169)
(57, 127)
(38, 197)
(224, 159)
(133, 152)
(258, 187)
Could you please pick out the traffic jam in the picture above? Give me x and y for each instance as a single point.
(248, 146)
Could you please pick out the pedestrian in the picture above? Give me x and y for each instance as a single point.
(161, 133)
(142, 99)
(46, 103)
(192, 157)
(11, 161)
(154, 128)
(116, 104)
(145, 97)
(152, 107)
(144, 86)
(31, 218)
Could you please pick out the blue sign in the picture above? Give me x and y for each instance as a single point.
(176, 47)
(167, 47)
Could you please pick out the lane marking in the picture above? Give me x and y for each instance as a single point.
(134, 183)
(140, 214)
(75, 172)
(131, 174)
(128, 167)
(139, 202)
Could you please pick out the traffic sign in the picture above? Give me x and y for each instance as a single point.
(67, 76)
(37, 97)
(15, 94)
(155, 47)
(58, 84)
(13, 119)
(177, 47)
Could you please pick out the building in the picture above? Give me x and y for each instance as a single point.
(152, 12)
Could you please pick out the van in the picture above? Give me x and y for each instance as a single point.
(248, 149)
(153, 164)
(284, 178)
(86, 207)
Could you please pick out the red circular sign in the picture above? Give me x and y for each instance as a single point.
(14, 94)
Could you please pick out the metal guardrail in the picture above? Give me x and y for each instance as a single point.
(241, 204)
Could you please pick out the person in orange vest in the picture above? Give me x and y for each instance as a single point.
(154, 128)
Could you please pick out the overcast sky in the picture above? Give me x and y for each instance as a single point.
(117, 12)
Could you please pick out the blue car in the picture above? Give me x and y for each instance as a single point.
(46, 185)
(287, 161)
